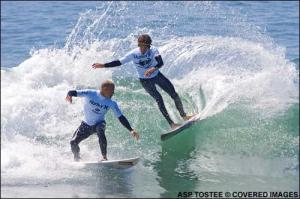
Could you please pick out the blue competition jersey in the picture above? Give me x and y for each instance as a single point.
(96, 106)
(141, 61)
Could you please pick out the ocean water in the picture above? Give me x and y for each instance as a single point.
(236, 63)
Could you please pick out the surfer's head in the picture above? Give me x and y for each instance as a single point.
(144, 42)
(107, 88)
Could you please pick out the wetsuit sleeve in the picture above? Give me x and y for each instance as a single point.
(120, 115)
(125, 122)
(83, 93)
(127, 58)
(72, 93)
(158, 58)
(113, 64)
(160, 62)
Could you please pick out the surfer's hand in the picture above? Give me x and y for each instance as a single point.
(97, 65)
(69, 99)
(149, 71)
(135, 134)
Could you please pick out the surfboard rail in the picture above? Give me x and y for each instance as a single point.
(119, 163)
(182, 127)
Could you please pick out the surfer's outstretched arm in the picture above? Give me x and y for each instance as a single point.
(118, 113)
(126, 124)
(127, 58)
(71, 93)
(107, 65)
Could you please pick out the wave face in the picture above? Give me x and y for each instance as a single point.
(222, 66)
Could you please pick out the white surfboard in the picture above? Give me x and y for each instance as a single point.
(183, 126)
(121, 163)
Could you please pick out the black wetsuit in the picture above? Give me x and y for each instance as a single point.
(149, 84)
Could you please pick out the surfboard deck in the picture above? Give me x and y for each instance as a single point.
(121, 163)
(183, 126)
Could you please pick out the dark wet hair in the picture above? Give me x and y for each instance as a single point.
(144, 40)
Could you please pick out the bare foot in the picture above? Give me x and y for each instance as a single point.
(104, 158)
(174, 125)
(187, 117)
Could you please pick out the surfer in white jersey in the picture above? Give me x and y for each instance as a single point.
(96, 105)
(147, 61)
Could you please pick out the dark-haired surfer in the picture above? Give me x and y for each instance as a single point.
(148, 61)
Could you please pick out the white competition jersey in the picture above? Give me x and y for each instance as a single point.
(96, 106)
(141, 61)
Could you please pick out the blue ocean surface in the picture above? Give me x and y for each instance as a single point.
(234, 62)
(46, 24)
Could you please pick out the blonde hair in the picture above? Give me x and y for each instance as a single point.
(108, 83)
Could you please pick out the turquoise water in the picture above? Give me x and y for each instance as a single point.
(237, 63)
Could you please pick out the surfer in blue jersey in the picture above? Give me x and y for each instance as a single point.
(148, 61)
(96, 105)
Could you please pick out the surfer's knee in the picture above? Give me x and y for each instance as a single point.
(158, 98)
(100, 128)
(174, 95)
(101, 136)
